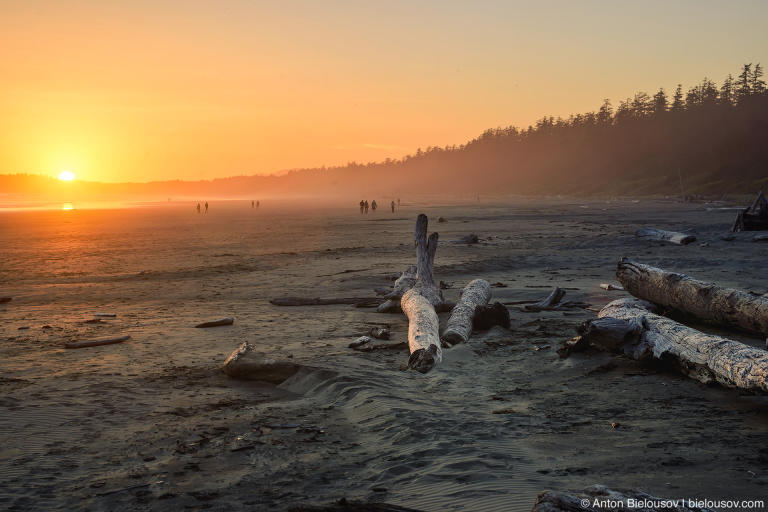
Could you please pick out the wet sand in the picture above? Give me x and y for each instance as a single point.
(152, 424)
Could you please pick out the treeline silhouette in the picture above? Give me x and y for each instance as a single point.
(713, 138)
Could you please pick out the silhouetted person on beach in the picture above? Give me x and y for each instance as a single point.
(198, 207)
(206, 207)
(366, 206)
(362, 206)
(257, 205)
(253, 205)
(398, 202)
(373, 205)
(393, 206)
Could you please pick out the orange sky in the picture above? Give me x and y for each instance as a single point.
(147, 90)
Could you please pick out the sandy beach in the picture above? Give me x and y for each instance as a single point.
(153, 424)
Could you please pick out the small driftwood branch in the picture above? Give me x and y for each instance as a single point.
(552, 301)
(216, 323)
(476, 293)
(352, 506)
(96, 343)
(664, 236)
(316, 301)
(704, 357)
(706, 301)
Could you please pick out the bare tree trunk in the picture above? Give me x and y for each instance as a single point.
(707, 301)
(665, 236)
(476, 293)
(704, 357)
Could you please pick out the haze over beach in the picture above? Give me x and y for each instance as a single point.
(222, 285)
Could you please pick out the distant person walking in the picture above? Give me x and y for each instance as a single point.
(398, 202)
(257, 205)
(393, 206)
(198, 207)
(366, 206)
(206, 207)
(373, 205)
(253, 204)
(362, 206)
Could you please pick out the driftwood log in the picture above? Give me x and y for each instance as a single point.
(420, 303)
(352, 506)
(664, 236)
(247, 363)
(97, 343)
(476, 293)
(598, 498)
(361, 302)
(706, 301)
(704, 357)
(216, 323)
(550, 302)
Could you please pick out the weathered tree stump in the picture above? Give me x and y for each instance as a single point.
(489, 315)
(754, 217)
(665, 236)
(706, 301)
(476, 293)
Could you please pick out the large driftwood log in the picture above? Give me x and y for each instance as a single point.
(665, 236)
(598, 498)
(704, 357)
(476, 293)
(707, 301)
(419, 303)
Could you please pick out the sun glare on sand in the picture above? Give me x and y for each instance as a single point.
(66, 175)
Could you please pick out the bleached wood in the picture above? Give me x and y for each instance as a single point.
(96, 343)
(420, 301)
(476, 293)
(707, 301)
(423, 326)
(665, 236)
(403, 283)
(704, 357)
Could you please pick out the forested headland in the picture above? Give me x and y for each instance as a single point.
(712, 137)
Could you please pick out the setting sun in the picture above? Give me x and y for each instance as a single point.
(66, 176)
